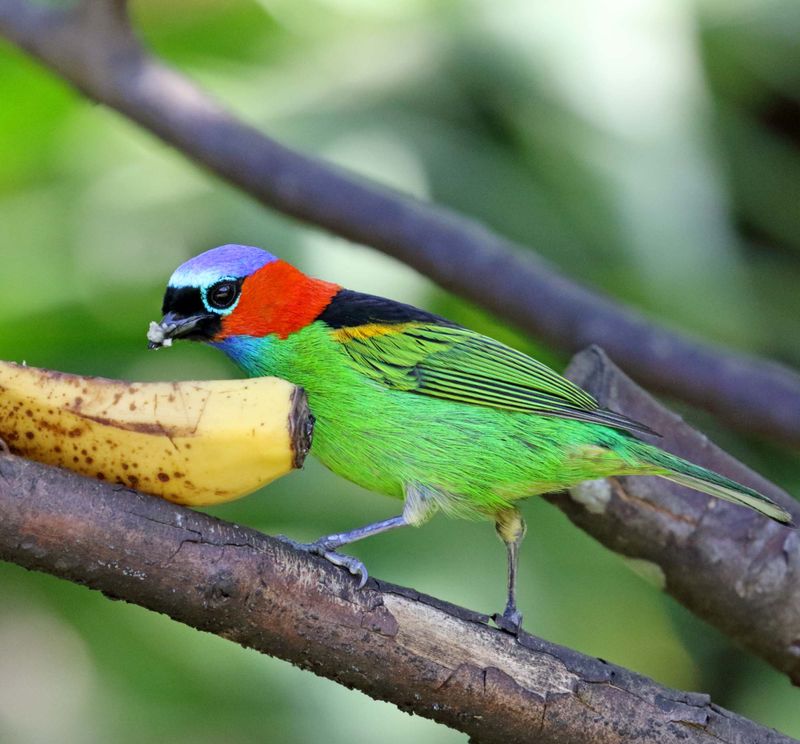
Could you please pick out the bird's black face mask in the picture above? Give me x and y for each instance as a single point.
(185, 317)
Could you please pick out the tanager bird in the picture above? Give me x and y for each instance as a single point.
(413, 406)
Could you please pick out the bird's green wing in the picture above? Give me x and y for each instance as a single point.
(456, 364)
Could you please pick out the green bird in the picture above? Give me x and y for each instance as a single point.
(413, 406)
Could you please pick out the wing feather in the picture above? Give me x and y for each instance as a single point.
(454, 363)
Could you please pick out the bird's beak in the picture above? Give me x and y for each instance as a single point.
(174, 326)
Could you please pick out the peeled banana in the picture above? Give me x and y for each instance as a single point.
(194, 443)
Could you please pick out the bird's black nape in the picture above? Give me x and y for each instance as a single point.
(348, 309)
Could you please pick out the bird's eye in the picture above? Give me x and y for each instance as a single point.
(222, 294)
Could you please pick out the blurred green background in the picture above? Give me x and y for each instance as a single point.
(649, 147)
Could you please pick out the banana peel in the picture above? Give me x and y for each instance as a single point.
(193, 443)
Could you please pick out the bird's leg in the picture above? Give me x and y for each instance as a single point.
(326, 546)
(336, 540)
(511, 529)
(418, 508)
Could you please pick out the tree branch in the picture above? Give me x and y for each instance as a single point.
(94, 48)
(729, 565)
(423, 655)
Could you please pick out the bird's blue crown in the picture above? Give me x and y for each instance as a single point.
(225, 261)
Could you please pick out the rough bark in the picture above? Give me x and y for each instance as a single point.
(729, 565)
(95, 49)
(427, 657)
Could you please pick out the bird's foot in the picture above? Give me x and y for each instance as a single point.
(325, 549)
(4, 448)
(352, 564)
(510, 620)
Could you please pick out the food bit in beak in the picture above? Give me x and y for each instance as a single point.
(158, 335)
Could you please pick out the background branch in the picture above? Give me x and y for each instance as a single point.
(93, 47)
(729, 565)
(427, 657)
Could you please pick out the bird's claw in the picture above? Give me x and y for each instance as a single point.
(510, 620)
(353, 565)
(324, 549)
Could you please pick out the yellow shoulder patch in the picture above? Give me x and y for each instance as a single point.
(369, 330)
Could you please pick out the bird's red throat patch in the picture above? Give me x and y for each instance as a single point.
(279, 299)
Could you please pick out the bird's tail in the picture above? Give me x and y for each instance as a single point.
(685, 473)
